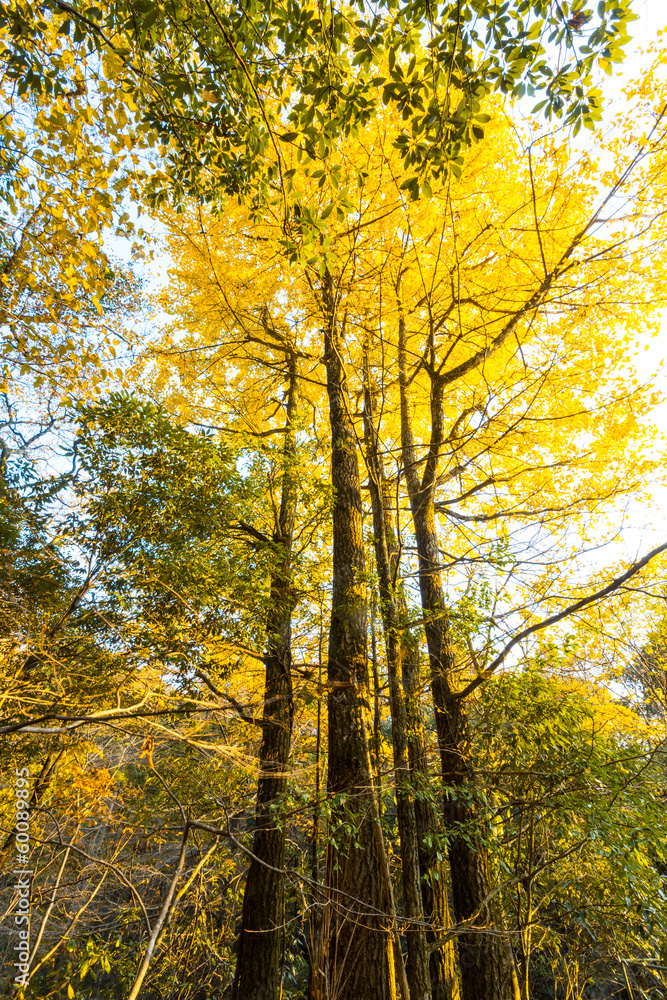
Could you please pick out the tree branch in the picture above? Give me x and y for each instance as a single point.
(599, 595)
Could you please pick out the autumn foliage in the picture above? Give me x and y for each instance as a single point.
(321, 643)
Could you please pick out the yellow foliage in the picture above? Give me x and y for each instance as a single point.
(522, 286)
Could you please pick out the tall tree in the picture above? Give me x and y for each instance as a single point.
(486, 349)
(246, 339)
(424, 882)
(360, 959)
(258, 966)
(485, 967)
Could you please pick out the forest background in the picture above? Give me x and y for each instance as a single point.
(333, 587)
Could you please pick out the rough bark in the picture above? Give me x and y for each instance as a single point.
(359, 963)
(483, 959)
(432, 869)
(258, 965)
(418, 962)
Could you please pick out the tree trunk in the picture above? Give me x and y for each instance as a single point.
(258, 965)
(358, 960)
(315, 986)
(418, 963)
(433, 870)
(483, 960)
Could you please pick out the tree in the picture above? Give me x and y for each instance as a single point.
(509, 341)
(261, 353)
(579, 829)
(62, 294)
(455, 357)
(230, 93)
(258, 964)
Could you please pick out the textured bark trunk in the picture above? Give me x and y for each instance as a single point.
(359, 965)
(419, 980)
(258, 964)
(483, 960)
(433, 871)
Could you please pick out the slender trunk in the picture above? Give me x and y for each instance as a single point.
(377, 734)
(258, 965)
(315, 987)
(418, 963)
(483, 960)
(359, 943)
(432, 868)
(52, 902)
